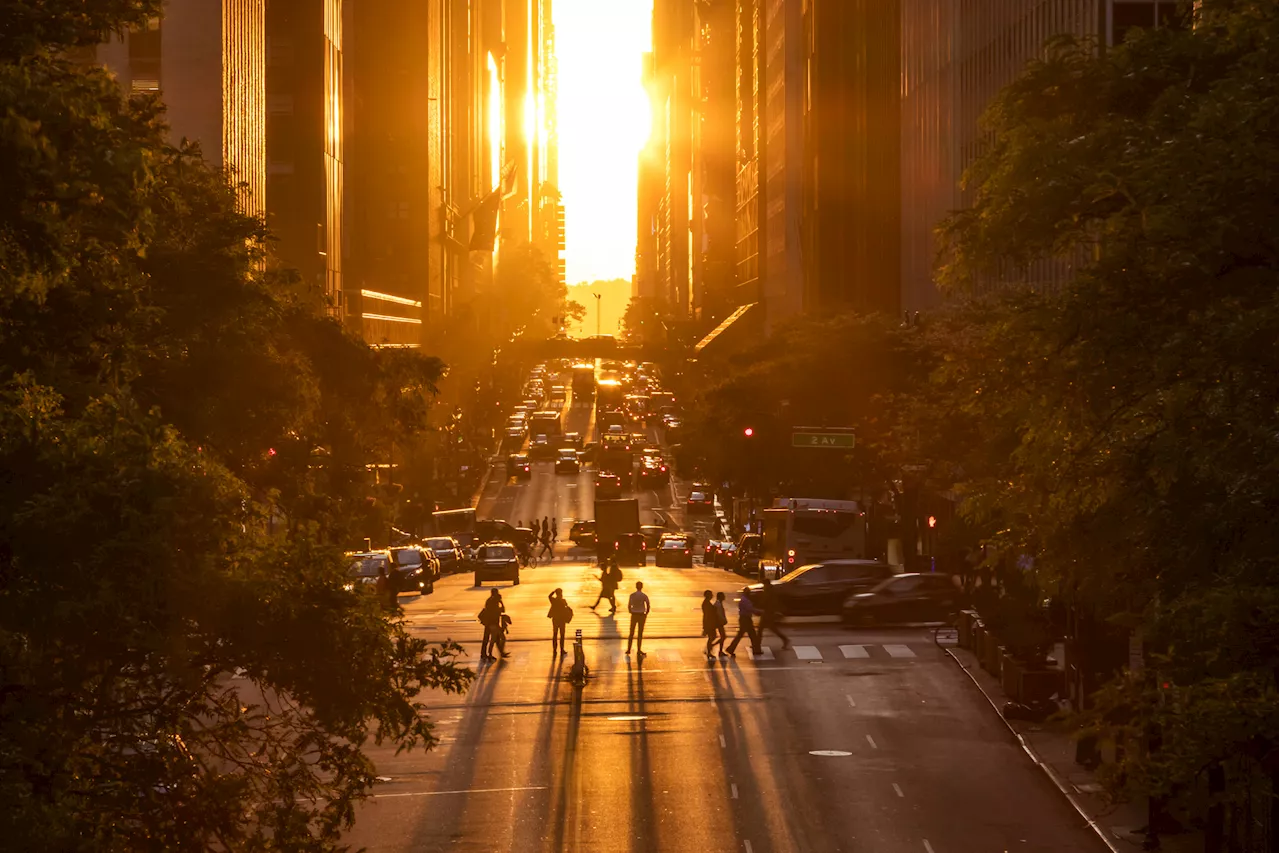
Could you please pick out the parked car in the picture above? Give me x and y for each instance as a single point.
(365, 567)
(726, 554)
(417, 569)
(821, 588)
(652, 533)
(630, 550)
(583, 533)
(699, 503)
(746, 554)
(608, 486)
(448, 552)
(912, 597)
(567, 461)
(675, 550)
(497, 561)
(518, 466)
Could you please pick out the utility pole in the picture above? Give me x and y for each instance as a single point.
(598, 297)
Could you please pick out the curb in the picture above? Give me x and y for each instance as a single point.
(1057, 780)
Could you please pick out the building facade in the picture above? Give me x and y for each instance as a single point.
(956, 56)
(305, 142)
(207, 60)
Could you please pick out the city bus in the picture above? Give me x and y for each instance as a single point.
(799, 531)
(584, 380)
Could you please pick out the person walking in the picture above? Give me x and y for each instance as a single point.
(491, 618)
(560, 614)
(546, 544)
(638, 608)
(546, 527)
(610, 577)
(771, 620)
(555, 533)
(746, 625)
(709, 626)
(387, 588)
(722, 619)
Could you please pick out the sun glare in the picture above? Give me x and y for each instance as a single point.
(495, 123)
(603, 122)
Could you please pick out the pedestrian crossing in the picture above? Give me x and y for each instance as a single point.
(693, 655)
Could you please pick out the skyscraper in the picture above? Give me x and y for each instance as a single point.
(207, 60)
(305, 151)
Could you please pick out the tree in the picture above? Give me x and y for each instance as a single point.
(1125, 422)
(164, 403)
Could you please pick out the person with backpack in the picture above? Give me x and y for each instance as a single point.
(560, 614)
(490, 617)
(610, 577)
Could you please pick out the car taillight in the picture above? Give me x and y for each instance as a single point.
(664, 467)
(686, 550)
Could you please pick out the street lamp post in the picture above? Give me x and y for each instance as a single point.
(598, 297)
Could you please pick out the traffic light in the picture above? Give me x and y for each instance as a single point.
(748, 432)
(933, 521)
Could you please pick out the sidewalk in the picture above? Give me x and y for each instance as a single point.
(1120, 825)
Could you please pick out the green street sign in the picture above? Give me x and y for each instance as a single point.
(832, 440)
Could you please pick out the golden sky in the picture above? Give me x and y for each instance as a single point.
(603, 118)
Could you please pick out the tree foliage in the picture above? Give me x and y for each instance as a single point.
(183, 440)
(1122, 425)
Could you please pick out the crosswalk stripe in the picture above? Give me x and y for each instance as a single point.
(808, 653)
(899, 651)
(669, 656)
(766, 653)
(855, 651)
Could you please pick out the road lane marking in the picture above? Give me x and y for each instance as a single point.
(898, 651)
(766, 653)
(898, 790)
(733, 791)
(871, 741)
(669, 656)
(746, 845)
(808, 652)
(928, 848)
(852, 704)
(855, 651)
(830, 753)
(723, 744)
(466, 791)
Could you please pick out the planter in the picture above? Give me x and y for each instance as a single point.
(1011, 677)
(979, 639)
(1039, 685)
(992, 652)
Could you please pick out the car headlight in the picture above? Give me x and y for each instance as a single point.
(349, 587)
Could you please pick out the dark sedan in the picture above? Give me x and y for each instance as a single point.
(497, 561)
(630, 550)
(518, 466)
(905, 598)
(608, 486)
(416, 569)
(674, 550)
(448, 552)
(821, 589)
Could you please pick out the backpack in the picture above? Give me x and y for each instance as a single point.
(568, 613)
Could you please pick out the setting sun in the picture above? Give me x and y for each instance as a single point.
(603, 123)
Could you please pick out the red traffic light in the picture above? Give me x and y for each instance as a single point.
(933, 522)
(748, 432)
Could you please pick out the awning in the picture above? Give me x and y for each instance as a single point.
(737, 331)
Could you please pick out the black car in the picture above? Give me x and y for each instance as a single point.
(416, 569)
(497, 561)
(366, 566)
(746, 554)
(567, 461)
(630, 550)
(518, 466)
(583, 533)
(821, 588)
(541, 447)
(674, 550)
(652, 475)
(447, 551)
(700, 503)
(608, 486)
(910, 597)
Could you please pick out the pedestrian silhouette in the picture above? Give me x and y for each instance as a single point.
(746, 625)
(490, 617)
(610, 577)
(560, 614)
(638, 609)
(771, 620)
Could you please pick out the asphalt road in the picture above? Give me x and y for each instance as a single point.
(868, 740)
(676, 753)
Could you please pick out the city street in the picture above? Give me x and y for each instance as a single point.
(677, 753)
